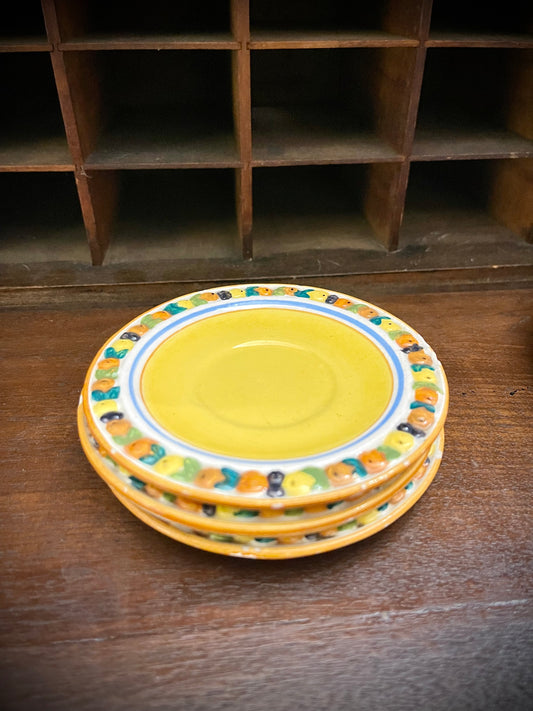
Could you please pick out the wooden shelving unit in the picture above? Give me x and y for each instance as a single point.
(245, 138)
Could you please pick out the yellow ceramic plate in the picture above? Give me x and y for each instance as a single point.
(271, 394)
(227, 519)
(367, 526)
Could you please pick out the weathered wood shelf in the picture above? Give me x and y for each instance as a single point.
(157, 42)
(321, 137)
(326, 39)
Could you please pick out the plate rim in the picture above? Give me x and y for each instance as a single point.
(185, 518)
(287, 551)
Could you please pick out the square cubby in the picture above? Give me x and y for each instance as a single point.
(32, 135)
(454, 19)
(472, 104)
(329, 105)
(22, 27)
(137, 22)
(162, 109)
(293, 19)
(469, 213)
(311, 208)
(174, 215)
(41, 219)
(298, 24)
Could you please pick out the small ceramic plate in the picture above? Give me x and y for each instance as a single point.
(362, 527)
(229, 519)
(271, 394)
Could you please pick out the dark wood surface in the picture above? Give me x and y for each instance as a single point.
(24, 44)
(440, 39)
(100, 612)
(222, 40)
(288, 39)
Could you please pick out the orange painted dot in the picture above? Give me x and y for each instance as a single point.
(252, 482)
(373, 461)
(421, 418)
(118, 428)
(108, 363)
(339, 473)
(207, 478)
(426, 395)
(420, 358)
(140, 448)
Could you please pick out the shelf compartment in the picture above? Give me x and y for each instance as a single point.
(140, 25)
(450, 210)
(458, 24)
(163, 110)
(466, 105)
(32, 136)
(311, 209)
(41, 219)
(22, 28)
(329, 106)
(174, 215)
(296, 24)
(194, 142)
(285, 136)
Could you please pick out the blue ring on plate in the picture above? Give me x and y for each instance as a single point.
(318, 307)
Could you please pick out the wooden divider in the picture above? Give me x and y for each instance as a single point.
(79, 98)
(242, 112)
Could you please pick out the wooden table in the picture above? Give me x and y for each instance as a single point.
(101, 612)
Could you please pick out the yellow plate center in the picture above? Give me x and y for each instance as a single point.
(267, 384)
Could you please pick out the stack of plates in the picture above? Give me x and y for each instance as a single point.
(265, 420)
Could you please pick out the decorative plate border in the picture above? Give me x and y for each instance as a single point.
(333, 530)
(268, 550)
(230, 519)
(130, 446)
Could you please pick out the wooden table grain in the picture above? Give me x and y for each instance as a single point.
(100, 612)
